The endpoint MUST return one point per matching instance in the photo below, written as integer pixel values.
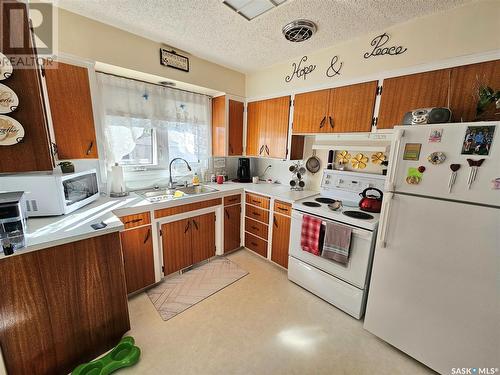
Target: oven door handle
(355, 232)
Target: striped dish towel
(309, 240)
(337, 243)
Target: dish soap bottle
(196, 180)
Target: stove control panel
(349, 183)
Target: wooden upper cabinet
(256, 128)
(137, 248)
(267, 127)
(235, 143)
(351, 108)
(34, 153)
(278, 114)
(71, 109)
(465, 81)
(219, 126)
(402, 94)
(310, 112)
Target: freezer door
(435, 179)
(434, 290)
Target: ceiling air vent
(299, 30)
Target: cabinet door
(235, 145)
(310, 112)
(137, 247)
(256, 125)
(351, 108)
(219, 126)
(465, 81)
(176, 241)
(276, 129)
(281, 238)
(33, 154)
(232, 227)
(71, 109)
(402, 94)
(203, 237)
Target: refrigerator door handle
(396, 144)
(382, 238)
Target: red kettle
(371, 203)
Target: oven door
(356, 271)
(79, 189)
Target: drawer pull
(232, 199)
(133, 221)
(255, 201)
(255, 213)
(254, 227)
(253, 243)
(147, 236)
(282, 209)
(187, 226)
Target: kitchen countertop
(57, 230)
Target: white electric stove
(344, 286)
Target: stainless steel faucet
(170, 181)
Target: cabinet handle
(227, 213)
(282, 209)
(255, 213)
(253, 243)
(267, 150)
(147, 236)
(133, 221)
(254, 227)
(90, 147)
(261, 149)
(232, 200)
(255, 201)
(330, 119)
(187, 227)
(195, 224)
(230, 148)
(322, 123)
(275, 222)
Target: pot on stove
(371, 202)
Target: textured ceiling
(211, 30)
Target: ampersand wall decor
(334, 68)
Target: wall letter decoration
(299, 71)
(334, 68)
(378, 44)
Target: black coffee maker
(243, 172)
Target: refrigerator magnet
(414, 176)
(436, 158)
(435, 135)
(412, 151)
(477, 140)
(496, 183)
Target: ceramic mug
(220, 179)
(255, 179)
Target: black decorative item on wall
(378, 43)
(299, 70)
(335, 67)
(173, 60)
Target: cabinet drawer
(256, 244)
(257, 200)
(136, 220)
(256, 227)
(282, 208)
(257, 214)
(232, 199)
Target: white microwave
(54, 194)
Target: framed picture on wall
(173, 60)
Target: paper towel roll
(117, 182)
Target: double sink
(163, 194)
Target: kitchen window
(145, 126)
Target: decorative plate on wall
(378, 158)
(11, 131)
(5, 67)
(343, 157)
(8, 99)
(359, 161)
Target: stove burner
(325, 200)
(358, 215)
(311, 204)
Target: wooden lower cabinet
(256, 244)
(177, 249)
(203, 237)
(280, 239)
(137, 248)
(62, 306)
(188, 241)
(232, 227)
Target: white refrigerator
(435, 284)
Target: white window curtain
(146, 125)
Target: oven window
(79, 188)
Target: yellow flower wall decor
(359, 161)
(343, 157)
(378, 158)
